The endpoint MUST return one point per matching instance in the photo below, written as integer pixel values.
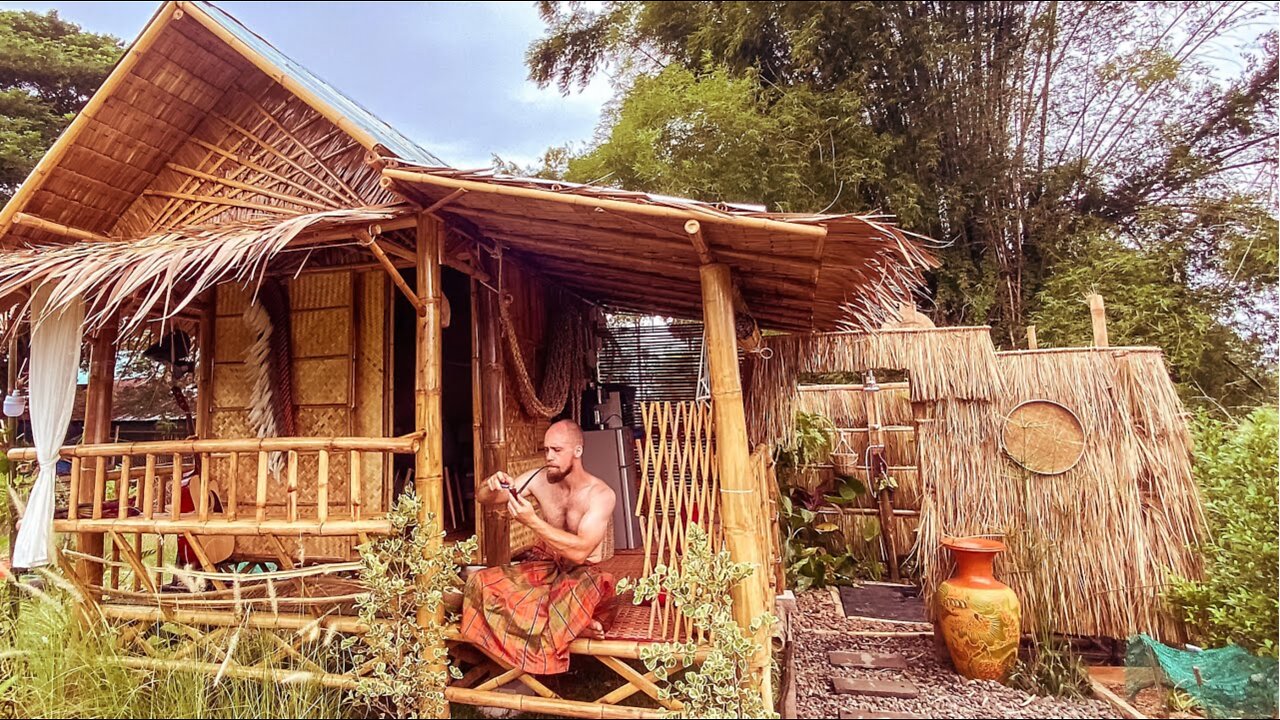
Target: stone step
(876, 688)
(867, 660)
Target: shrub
(1236, 602)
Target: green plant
(1051, 667)
(1236, 601)
(810, 443)
(727, 683)
(412, 665)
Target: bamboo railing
(144, 479)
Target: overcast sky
(450, 76)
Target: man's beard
(555, 475)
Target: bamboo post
(355, 494)
(876, 470)
(233, 487)
(175, 491)
(149, 488)
(204, 371)
(741, 503)
(495, 532)
(1031, 338)
(260, 490)
(291, 470)
(11, 435)
(1098, 314)
(428, 477)
(322, 487)
(202, 502)
(97, 428)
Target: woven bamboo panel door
(679, 486)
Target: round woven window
(1044, 437)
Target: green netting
(1227, 682)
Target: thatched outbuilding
(1092, 543)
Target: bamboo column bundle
(428, 463)
(741, 503)
(495, 532)
(97, 428)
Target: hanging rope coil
(563, 353)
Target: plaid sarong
(527, 614)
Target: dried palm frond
(162, 274)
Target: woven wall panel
(232, 299)
(320, 290)
(231, 388)
(321, 381)
(321, 332)
(371, 363)
(323, 421)
(231, 338)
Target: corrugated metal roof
(388, 136)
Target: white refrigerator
(610, 456)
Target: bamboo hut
(355, 301)
(1091, 541)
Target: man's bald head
(569, 430)
(563, 443)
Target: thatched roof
(635, 251)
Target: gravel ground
(820, 628)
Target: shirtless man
(576, 505)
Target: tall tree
(48, 70)
(1015, 133)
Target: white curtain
(55, 364)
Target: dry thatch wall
(1089, 549)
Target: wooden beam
(49, 226)
(418, 305)
(741, 502)
(802, 266)
(217, 200)
(635, 208)
(694, 228)
(1031, 338)
(1098, 315)
(445, 200)
(228, 182)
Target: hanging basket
(846, 463)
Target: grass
(56, 667)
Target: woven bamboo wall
(333, 395)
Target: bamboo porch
(353, 301)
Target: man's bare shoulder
(599, 491)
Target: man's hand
(494, 488)
(522, 510)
